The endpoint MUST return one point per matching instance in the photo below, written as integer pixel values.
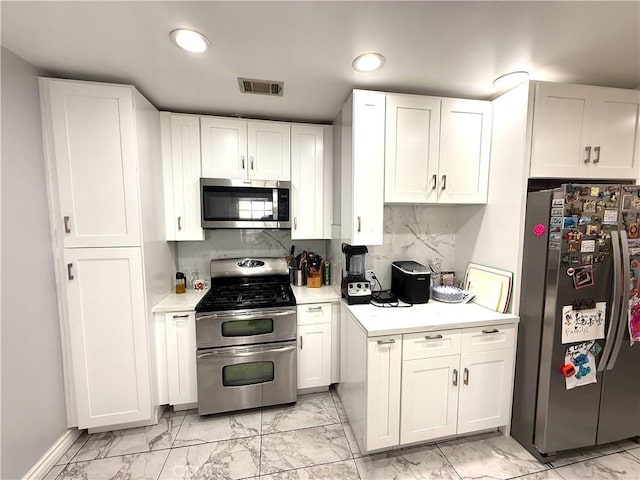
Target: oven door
(235, 378)
(244, 327)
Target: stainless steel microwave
(234, 203)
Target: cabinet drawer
(431, 344)
(312, 313)
(483, 339)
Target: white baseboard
(51, 456)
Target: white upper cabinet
(311, 162)
(362, 168)
(91, 130)
(412, 149)
(437, 150)
(182, 172)
(465, 142)
(581, 131)
(269, 150)
(242, 149)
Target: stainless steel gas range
(246, 336)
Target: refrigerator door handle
(624, 307)
(614, 302)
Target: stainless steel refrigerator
(581, 249)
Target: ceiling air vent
(261, 87)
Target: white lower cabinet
(314, 345)
(384, 356)
(404, 389)
(181, 357)
(108, 335)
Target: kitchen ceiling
(440, 48)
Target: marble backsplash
(240, 243)
(425, 234)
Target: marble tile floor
(311, 440)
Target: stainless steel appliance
(246, 336)
(411, 281)
(355, 287)
(581, 249)
(234, 203)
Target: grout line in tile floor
(448, 461)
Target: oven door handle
(247, 315)
(245, 351)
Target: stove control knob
(359, 285)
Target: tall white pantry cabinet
(104, 168)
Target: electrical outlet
(369, 276)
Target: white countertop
(315, 295)
(179, 302)
(430, 316)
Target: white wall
(33, 407)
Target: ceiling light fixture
(190, 40)
(368, 62)
(510, 80)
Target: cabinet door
(307, 181)
(485, 396)
(224, 147)
(314, 355)
(108, 332)
(616, 140)
(181, 357)
(561, 131)
(94, 152)
(184, 181)
(435, 381)
(465, 137)
(368, 168)
(384, 365)
(412, 137)
(269, 146)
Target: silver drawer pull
(69, 274)
(455, 377)
(181, 316)
(314, 309)
(444, 182)
(433, 337)
(465, 378)
(242, 158)
(386, 342)
(66, 225)
(596, 152)
(179, 223)
(493, 330)
(587, 154)
(301, 343)
(434, 182)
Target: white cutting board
(491, 286)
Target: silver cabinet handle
(596, 152)
(295, 223)
(493, 330)
(433, 337)
(386, 342)
(359, 225)
(444, 182)
(587, 154)
(69, 274)
(434, 182)
(242, 158)
(179, 223)
(465, 378)
(181, 316)
(455, 377)
(314, 309)
(301, 342)
(251, 159)
(66, 225)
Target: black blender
(355, 287)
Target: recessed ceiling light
(190, 40)
(368, 62)
(511, 79)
